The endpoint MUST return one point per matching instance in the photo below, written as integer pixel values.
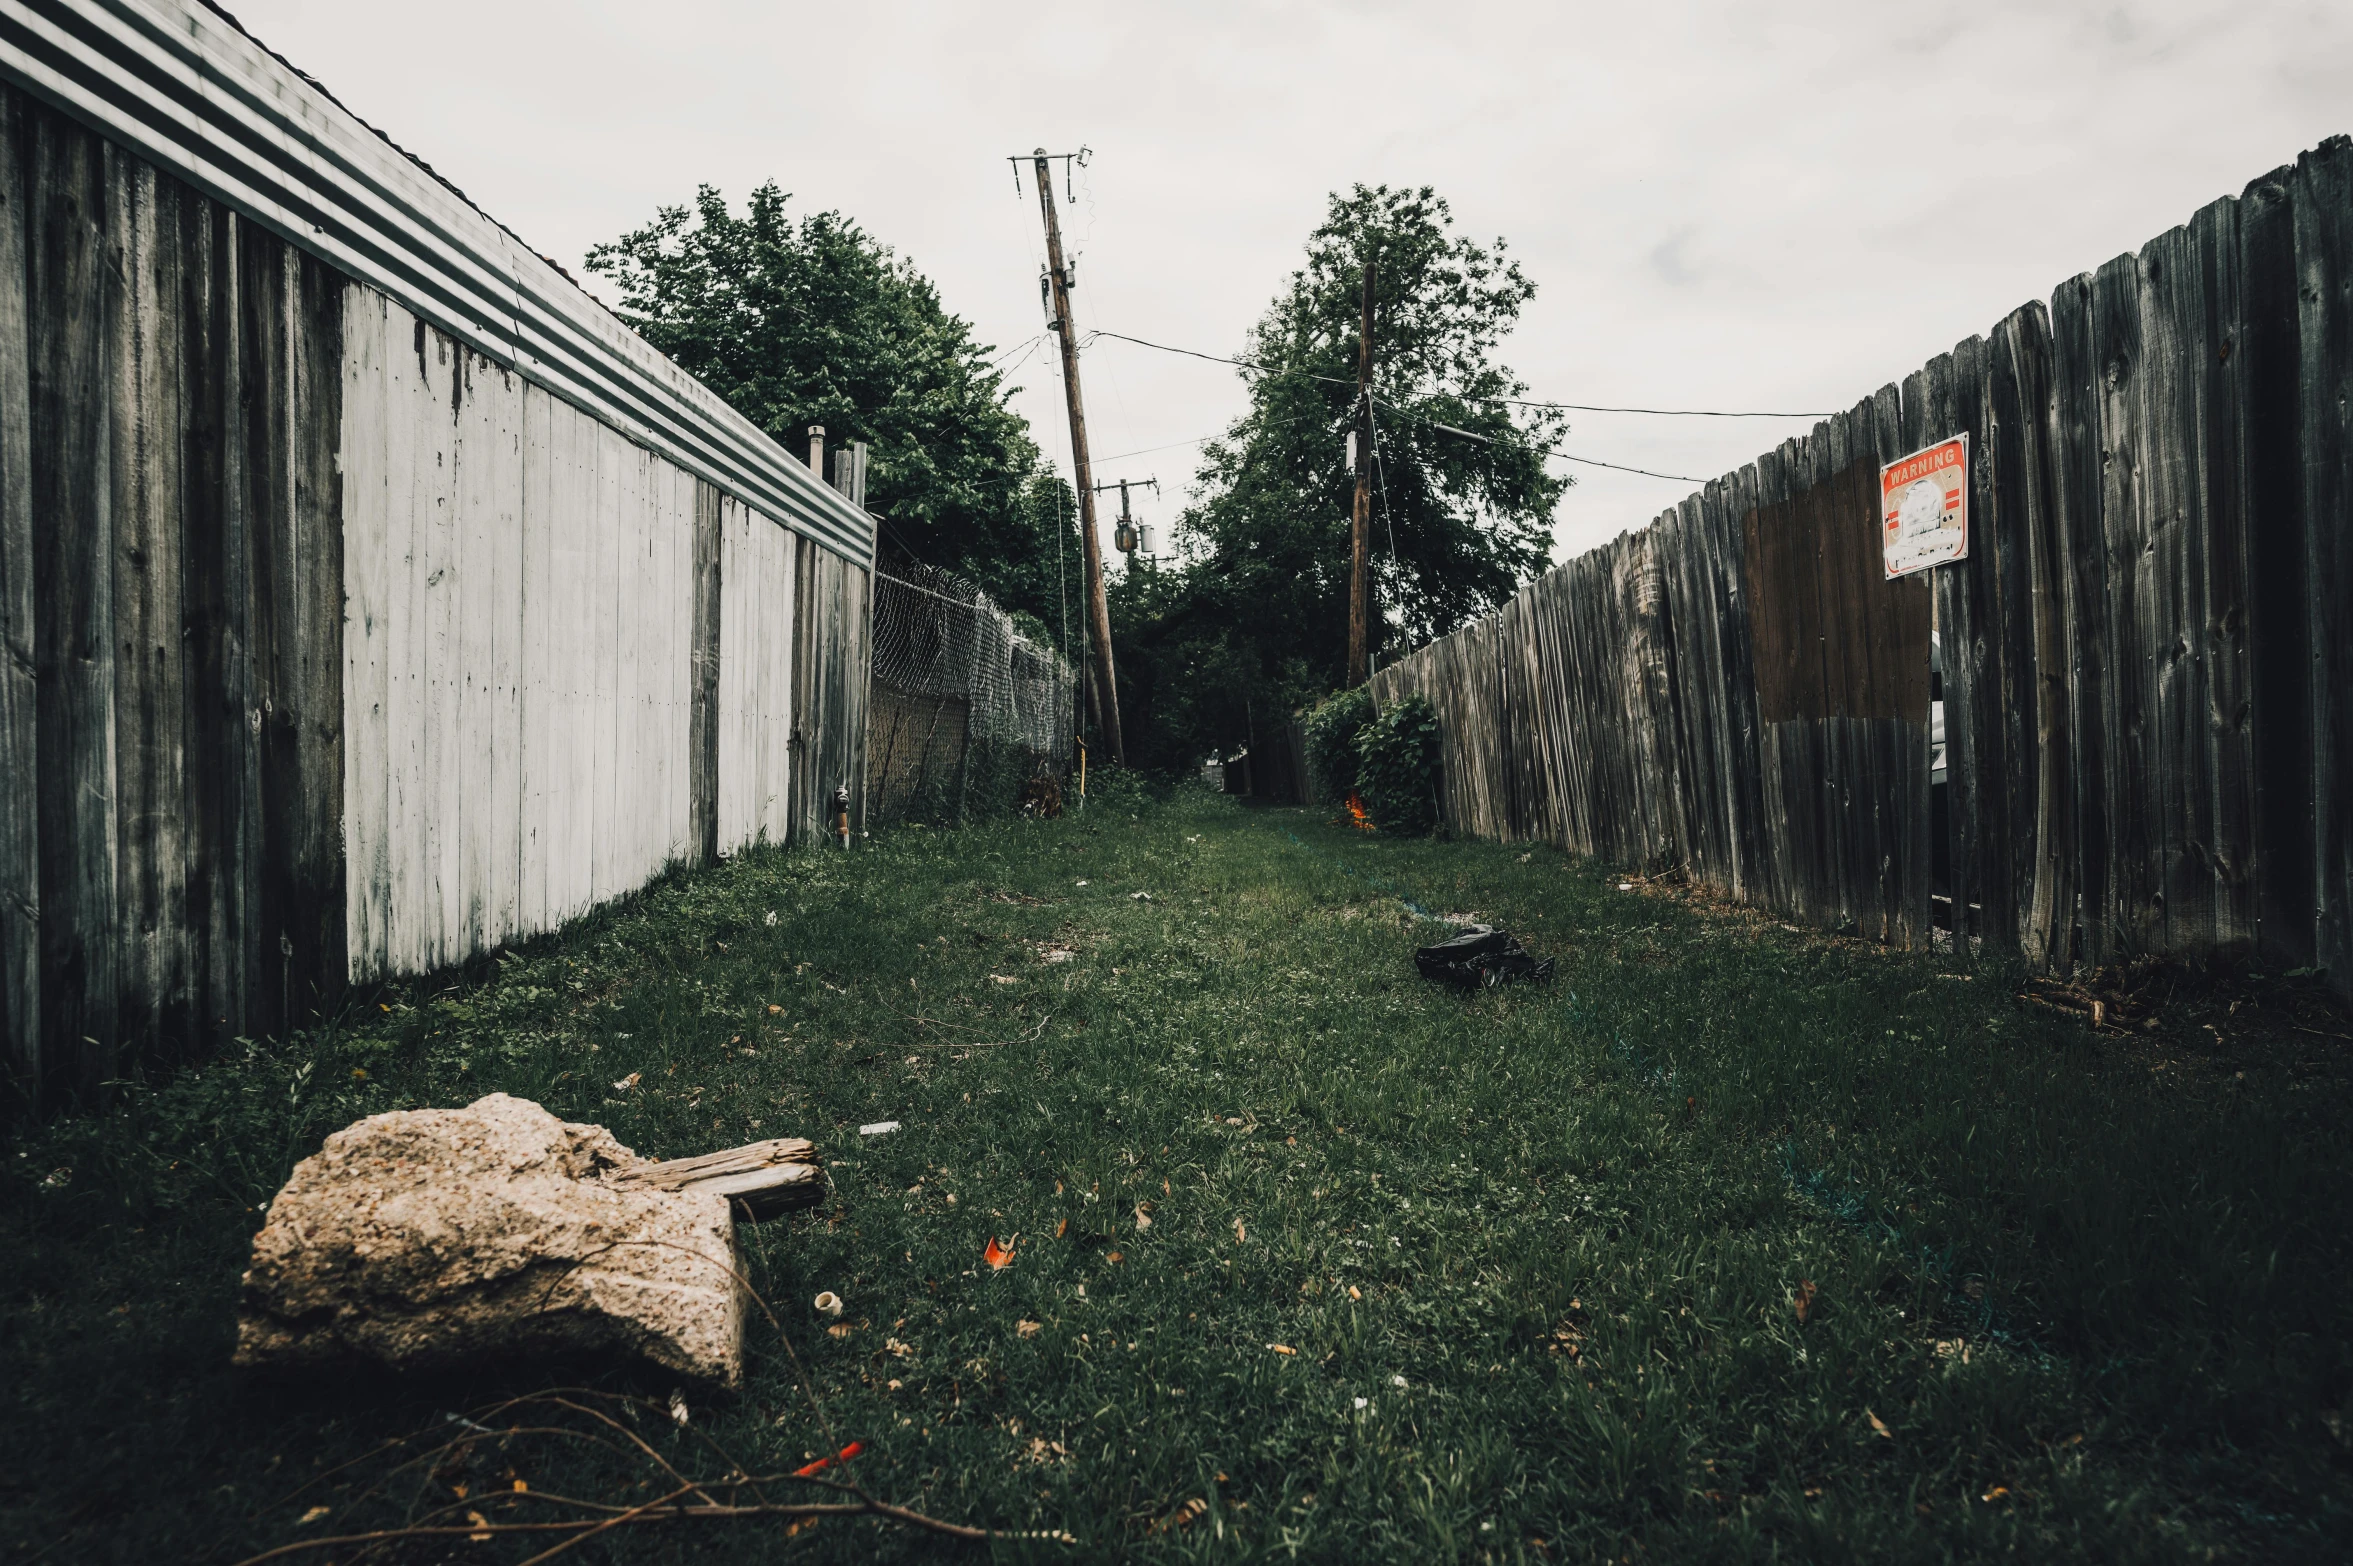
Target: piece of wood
(72, 308)
(150, 694)
(2028, 807)
(2078, 460)
(2171, 621)
(601, 690)
(262, 425)
(2279, 622)
(455, 771)
(2227, 711)
(405, 889)
(762, 1179)
(576, 627)
(537, 610)
(367, 630)
(214, 630)
(2324, 268)
(2135, 910)
(20, 800)
(704, 637)
(500, 393)
(313, 685)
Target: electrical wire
(1023, 348)
(1591, 462)
(1614, 467)
(1516, 402)
(1148, 450)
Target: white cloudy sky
(1723, 205)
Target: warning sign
(1924, 507)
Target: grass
(1539, 1252)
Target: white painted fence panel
(755, 678)
(518, 654)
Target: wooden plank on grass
(761, 1180)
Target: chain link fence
(963, 709)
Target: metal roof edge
(182, 85)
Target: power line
(1023, 349)
(1148, 450)
(1591, 462)
(1516, 402)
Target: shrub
(1331, 742)
(1397, 768)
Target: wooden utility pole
(1098, 610)
(1360, 526)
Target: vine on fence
(1331, 731)
(1397, 768)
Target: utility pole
(1098, 609)
(1361, 521)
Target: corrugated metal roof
(183, 86)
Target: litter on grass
(1481, 957)
(879, 1128)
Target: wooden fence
(2147, 656)
(338, 642)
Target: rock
(437, 1239)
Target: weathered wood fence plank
(2324, 295)
(20, 816)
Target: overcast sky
(1722, 205)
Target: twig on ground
(688, 1500)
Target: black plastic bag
(1481, 956)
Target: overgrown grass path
(1732, 1243)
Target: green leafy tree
(1459, 520)
(809, 320)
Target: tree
(1258, 620)
(811, 321)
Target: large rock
(432, 1239)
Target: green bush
(1331, 742)
(1397, 768)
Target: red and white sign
(1924, 507)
